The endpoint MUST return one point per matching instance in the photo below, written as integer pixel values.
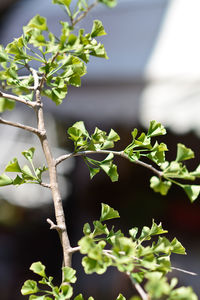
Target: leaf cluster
(143, 148)
(25, 174)
(145, 259)
(62, 60)
(97, 141)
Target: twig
(54, 226)
(138, 287)
(35, 77)
(74, 249)
(118, 153)
(74, 22)
(19, 125)
(54, 57)
(46, 185)
(108, 253)
(18, 99)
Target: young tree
(62, 62)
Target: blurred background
(153, 72)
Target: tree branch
(46, 185)
(118, 153)
(18, 99)
(83, 15)
(58, 206)
(138, 287)
(21, 126)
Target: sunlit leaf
(38, 268)
(184, 153)
(29, 287)
(108, 213)
(97, 29)
(160, 186)
(5, 180)
(192, 191)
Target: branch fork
(54, 226)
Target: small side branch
(21, 126)
(46, 185)
(74, 22)
(118, 153)
(54, 226)
(138, 287)
(18, 99)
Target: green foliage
(144, 255)
(63, 59)
(64, 291)
(25, 174)
(141, 148)
(139, 255)
(127, 254)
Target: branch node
(54, 226)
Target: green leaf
(133, 232)
(38, 22)
(93, 171)
(196, 172)
(27, 173)
(109, 3)
(160, 186)
(3, 55)
(29, 154)
(121, 297)
(192, 191)
(97, 29)
(100, 228)
(108, 213)
(91, 265)
(109, 168)
(113, 136)
(177, 247)
(13, 166)
(79, 297)
(29, 287)
(156, 129)
(157, 286)
(69, 275)
(183, 293)
(183, 153)
(62, 2)
(38, 268)
(6, 104)
(67, 291)
(81, 130)
(5, 180)
(86, 229)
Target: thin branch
(54, 57)
(118, 153)
(108, 253)
(138, 287)
(46, 185)
(18, 99)
(54, 226)
(35, 77)
(74, 249)
(21, 126)
(74, 22)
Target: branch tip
(54, 226)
